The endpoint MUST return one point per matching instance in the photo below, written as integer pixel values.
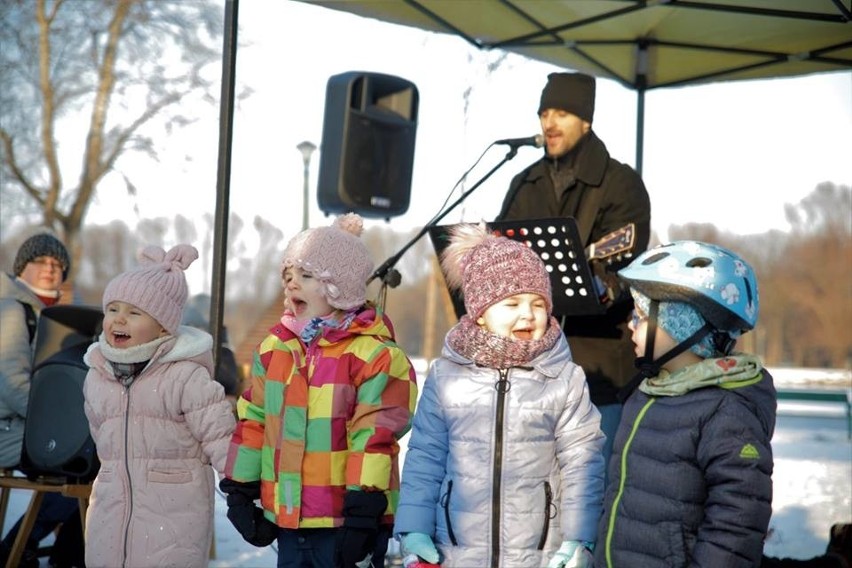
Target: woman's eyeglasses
(47, 263)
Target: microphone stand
(389, 275)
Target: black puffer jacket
(604, 195)
(690, 479)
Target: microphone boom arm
(387, 272)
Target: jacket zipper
(502, 387)
(127, 472)
(445, 502)
(548, 501)
(610, 524)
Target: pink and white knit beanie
(488, 268)
(158, 286)
(337, 257)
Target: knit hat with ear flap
(337, 257)
(158, 286)
(680, 320)
(488, 268)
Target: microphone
(537, 141)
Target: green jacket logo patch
(749, 452)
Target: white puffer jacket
(152, 501)
(500, 473)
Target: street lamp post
(306, 148)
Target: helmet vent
(699, 262)
(748, 292)
(654, 258)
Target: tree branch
(54, 183)
(19, 175)
(92, 166)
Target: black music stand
(557, 242)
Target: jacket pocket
(549, 514)
(445, 504)
(155, 476)
(679, 544)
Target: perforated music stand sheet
(557, 242)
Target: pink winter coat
(152, 501)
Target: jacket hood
(10, 288)
(189, 344)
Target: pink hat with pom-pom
(158, 286)
(337, 257)
(487, 268)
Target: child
(504, 463)
(158, 419)
(330, 395)
(690, 477)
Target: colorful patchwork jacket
(319, 419)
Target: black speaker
(57, 442)
(367, 151)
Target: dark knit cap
(572, 92)
(39, 245)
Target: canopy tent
(642, 44)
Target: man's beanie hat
(572, 92)
(337, 257)
(487, 268)
(158, 286)
(43, 244)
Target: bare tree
(82, 85)
(818, 275)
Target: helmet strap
(646, 364)
(650, 367)
(684, 345)
(723, 343)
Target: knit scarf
(310, 329)
(47, 297)
(487, 349)
(128, 362)
(727, 372)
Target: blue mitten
(421, 545)
(573, 554)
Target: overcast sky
(731, 154)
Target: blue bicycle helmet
(714, 280)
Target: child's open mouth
(119, 338)
(298, 306)
(525, 334)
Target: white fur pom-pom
(464, 238)
(351, 223)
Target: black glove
(362, 512)
(247, 517)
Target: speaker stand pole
(389, 275)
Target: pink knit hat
(336, 256)
(157, 286)
(488, 268)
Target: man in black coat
(577, 178)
